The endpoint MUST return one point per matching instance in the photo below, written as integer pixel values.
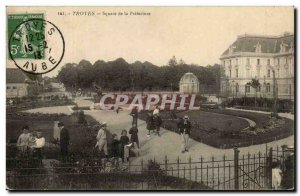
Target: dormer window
(283, 47)
(258, 48)
(292, 47)
(231, 49)
(269, 73)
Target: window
(247, 73)
(268, 88)
(247, 88)
(269, 73)
(8, 87)
(258, 89)
(229, 73)
(268, 62)
(286, 60)
(258, 61)
(237, 87)
(278, 61)
(237, 73)
(236, 61)
(229, 62)
(14, 87)
(224, 63)
(248, 61)
(258, 72)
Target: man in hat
(64, 139)
(134, 113)
(184, 127)
(102, 139)
(23, 140)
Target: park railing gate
(235, 171)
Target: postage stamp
(35, 45)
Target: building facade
(268, 59)
(189, 84)
(18, 82)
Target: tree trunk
(255, 97)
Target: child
(134, 136)
(115, 146)
(125, 146)
(276, 177)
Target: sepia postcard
(150, 98)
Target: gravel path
(168, 144)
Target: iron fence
(231, 172)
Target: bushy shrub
(262, 104)
(81, 117)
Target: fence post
(190, 167)
(142, 165)
(269, 168)
(236, 168)
(283, 157)
(178, 167)
(166, 165)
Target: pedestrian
(102, 139)
(134, 136)
(32, 139)
(156, 111)
(184, 127)
(157, 123)
(150, 123)
(134, 114)
(173, 115)
(276, 176)
(124, 146)
(39, 145)
(23, 140)
(64, 140)
(115, 146)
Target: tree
(254, 83)
(172, 61)
(181, 62)
(34, 89)
(68, 75)
(84, 74)
(118, 75)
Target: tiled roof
(269, 44)
(15, 75)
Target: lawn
(82, 137)
(208, 127)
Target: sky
(197, 35)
